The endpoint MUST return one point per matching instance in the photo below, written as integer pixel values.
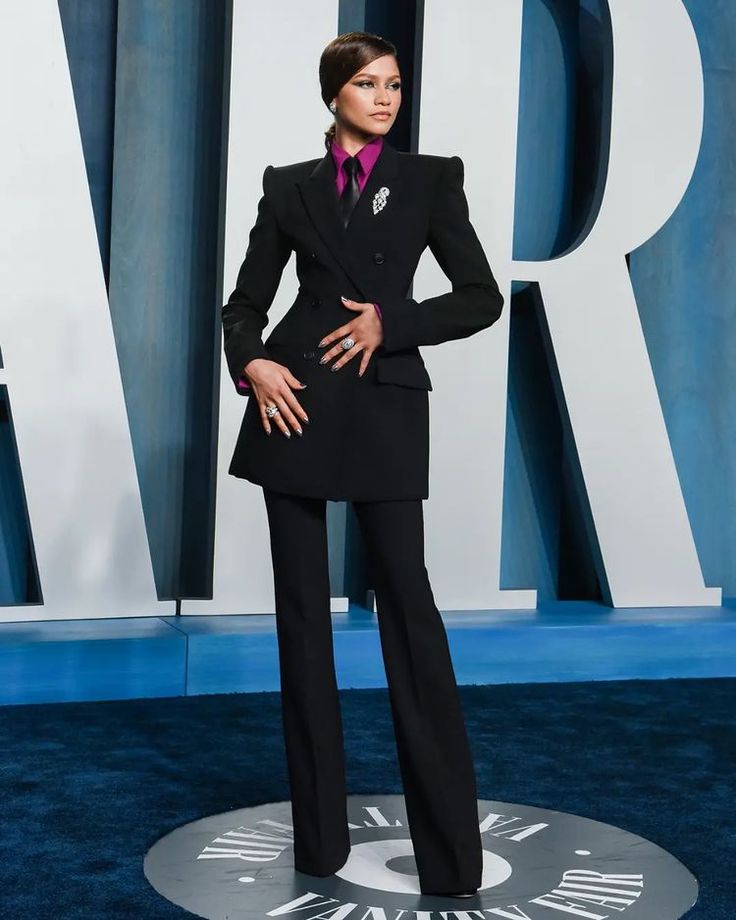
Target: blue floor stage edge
(127, 658)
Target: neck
(352, 140)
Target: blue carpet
(88, 787)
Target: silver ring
(271, 411)
(347, 343)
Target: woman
(342, 371)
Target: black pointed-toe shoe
(452, 894)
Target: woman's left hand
(366, 330)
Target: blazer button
(378, 257)
(316, 301)
(308, 355)
(312, 255)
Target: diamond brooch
(379, 199)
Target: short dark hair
(344, 56)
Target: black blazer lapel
(366, 230)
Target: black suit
(368, 437)
(368, 443)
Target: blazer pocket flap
(404, 370)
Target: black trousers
(434, 755)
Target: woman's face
(376, 88)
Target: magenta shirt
(367, 156)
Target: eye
(395, 84)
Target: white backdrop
(73, 439)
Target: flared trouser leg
(434, 754)
(310, 704)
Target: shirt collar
(367, 155)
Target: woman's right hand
(271, 383)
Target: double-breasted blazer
(368, 437)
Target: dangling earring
(333, 107)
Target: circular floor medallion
(537, 865)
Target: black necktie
(351, 192)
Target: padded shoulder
(293, 172)
(433, 165)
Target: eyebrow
(366, 74)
